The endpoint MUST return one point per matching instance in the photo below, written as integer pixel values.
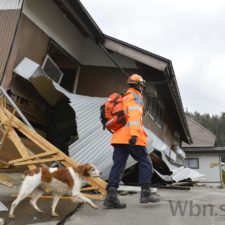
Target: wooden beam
(20, 146)
(8, 127)
(32, 157)
(89, 188)
(37, 161)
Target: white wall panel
(209, 165)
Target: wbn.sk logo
(189, 208)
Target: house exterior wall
(209, 165)
(101, 81)
(9, 15)
(29, 42)
(165, 133)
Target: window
(151, 106)
(52, 70)
(66, 64)
(155, 109)
(159, 115)
(192, 163)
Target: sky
(190, 33)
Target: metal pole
(15, 106)
(114, 61)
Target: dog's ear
(84, 170)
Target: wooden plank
(98, 197)
(8, 127)
(32, 157)
(89, 188)
(37, 161)
(20, 146)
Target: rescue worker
(131, 139)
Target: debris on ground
(6, 180)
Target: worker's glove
(133, 140)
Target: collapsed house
(58, 67)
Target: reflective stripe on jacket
(133, 105)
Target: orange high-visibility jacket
(133, 106)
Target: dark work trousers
(120, 156)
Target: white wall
(209, 165)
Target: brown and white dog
(59, 181)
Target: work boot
(147, 196)
(111, 200)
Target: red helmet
(136, 79)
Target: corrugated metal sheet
(180, 173)
(9, 16)
(181, 153)
(93, 144)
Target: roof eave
(77, 13)
(206, 149)
(172, 83)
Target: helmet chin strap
(139, 88)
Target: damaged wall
(30, 42)
(9, 15)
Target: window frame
(152, 110)
(187, 164)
